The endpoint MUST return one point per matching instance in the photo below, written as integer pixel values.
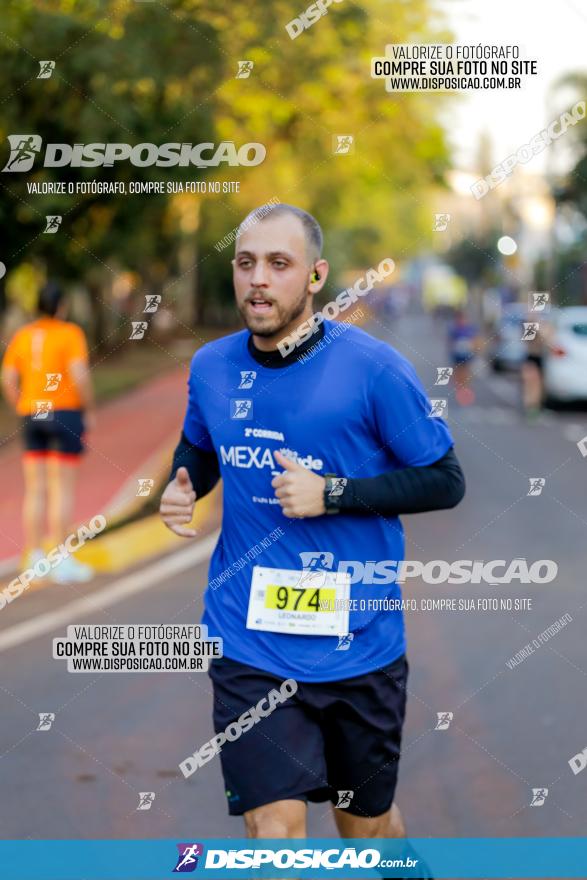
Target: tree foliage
(134, 72)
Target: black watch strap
(333, 492)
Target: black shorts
(460, 359)
(329, 737)
(61, 433)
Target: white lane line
(109, 595)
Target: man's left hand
(299, 490)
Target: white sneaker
(70, 571)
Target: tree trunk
(98, 329)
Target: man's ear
(321, 267)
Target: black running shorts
(61, 434)
(326, 739)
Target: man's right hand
(177, 504)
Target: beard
(277, 319)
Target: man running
(537, 337)
(46, 378)
(317, 457)
(463, 342)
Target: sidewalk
(134, 438)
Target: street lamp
(507, 246)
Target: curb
(141, 541)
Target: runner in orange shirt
(46, 378)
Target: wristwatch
(333, 492)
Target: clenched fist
(299, 491)
(177, 504)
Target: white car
(565, 359)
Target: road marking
(111, 594)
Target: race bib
(309, 603)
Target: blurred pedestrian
(536, 339)
(463, 343)
(46, 379)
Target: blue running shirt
(355, 408)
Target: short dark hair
(50, 298)
(312, 229)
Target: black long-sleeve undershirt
(435, 486)
(202, 466)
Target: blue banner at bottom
(483, 857)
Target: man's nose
(259, 276)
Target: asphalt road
(512, 730)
